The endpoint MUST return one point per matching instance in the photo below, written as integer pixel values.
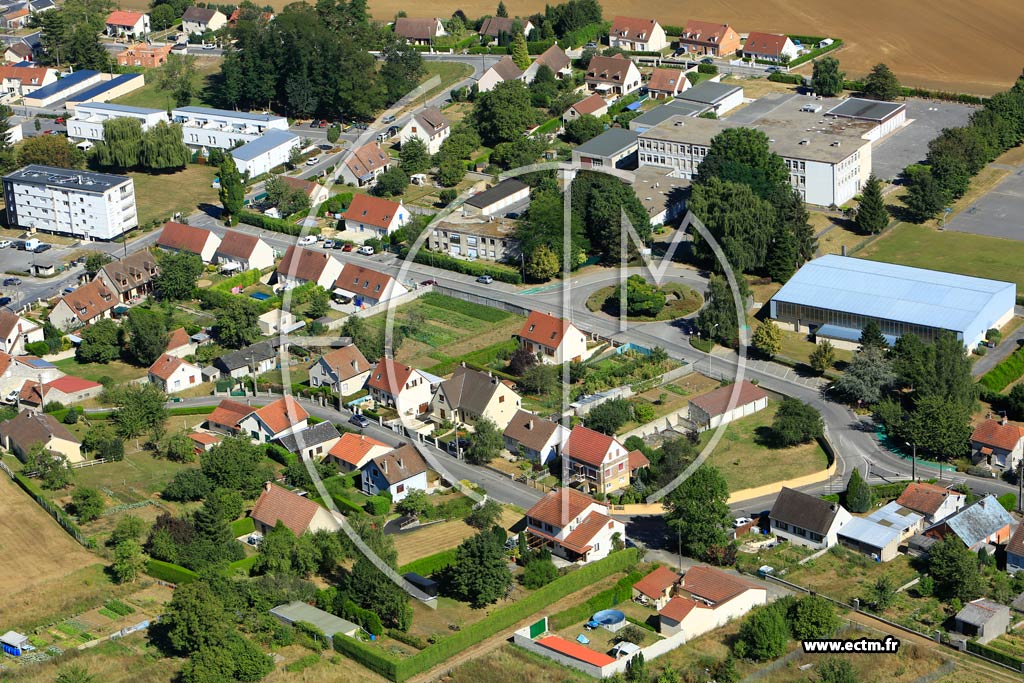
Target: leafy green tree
(643, 299)
(187, 485)
(925, 196)
(485, 516)
(742, 155)
(414, 156)
(450, 171)
(7, 161)
(232, 190)
(767, 338)
(599, 202)
(52, 468)
(717, 320)
(368, 587)
(544, 88)
(501, 11)
(542, 227)
(954, 568)
(699, 513)
(872, 216)
(50, 150)
(827, 79)
(146, 332)
(782, 258)
(813, 617)
(128, 528)
(609, 416)
(871, 336)
(94, 261)
(447, 196)
(128, 561)
(951, 173)
(539, 572)
(195, 618)
(480, 575)
(391, 182)
(319, 303)
(542, 264)
(162, 17)
(882, 593)
(520, 152)
(859, 496)
(87, 504)
(100, 343)
(881, 84)
(763, 634)
(178, 77)
(740, 221)
(140, 408)
(795, 423)
(179, 448)
(504, 113)
(163, 148)
(415, 504)
(288, 200)
(940, 426)
(835, 670)
(583, 128)
(1015, 402)
(73, 673)
(486, 442)
(122, 141)
(236, 325)
(823, 356)
(951, 374)
(238, 465)
(867, 377)
(403, 67)
(520, 55)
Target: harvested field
(436, 538)
(37, 557)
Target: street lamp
(913, 461)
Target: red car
(60, 120)
(323, 124)
(347, 247)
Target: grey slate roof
(400, 464)
(709, 92)
(29, 428)
(504, 189)
(978, 520)
(980, 611)
(470, 390)
(256, 353)
(315, 435)
(805, 511)
(609, 143)
(271, 139)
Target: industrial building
(834, 297)
(67, 202)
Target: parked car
(60, 120)
(12, 396)
(454, 448)
(329, 244)
(338, 244)
(4, 300)
(312, 161)
(359, 421)
(765, 570)
(428, 282)
(12, 281)
(307, 240)
(210, 46)
(5, 244)
(67, 290)
(390, 118)
(43, 247)
(591, 44)
(348, 247)
(323, 123)
(485, 279)
(365, 250)
(707, 60)
(314, 123)
(773, 69)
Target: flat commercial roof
(271, 139)
(118, 108)
(709, 92)
(62, 177)
(68, 82)
(608, 143)
(103, 87)
(891, 292)
(869, 533)
(209, 111)
(506, 188)
(870, 110)
(664, 112)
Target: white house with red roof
(997, 443)
(131, 24)
(16, 331)
(298, 513)
(19, 81)
(300, 266)
(637, 35)
(934, 503)
(554, 340)
(375, 216)
(429, 126)
(364, 165)
(706, 599)
(615, 75)
(657, 587)
(180, 343)
(403, 388)
(353, 451)
(271, 422)
(180, 237)
(65, 390)
(770, 47)
(398, 472)
(344, 370)
(594, 105)
(172, 374)
(239, 251)
(367, 287)
(573, 526)
(597, 463)
(227, 415)
(667, 83)
(722, 407)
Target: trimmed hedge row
(281, 454)
(1005, 373)
(620, 592)
(171, 573)
(582, 36)
(190, 410)
(425, 566)
(780, 77)
(438, 260)
(815, 53)
(275, 224)
(243, 280)
(364, 617)
(241, 527)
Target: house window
(400, 488)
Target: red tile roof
(90, 300)
(28, 75)
(590, 104)
(278, 504)
(367, 159)
(352, 448)
(229, 413)
(995, 433)
(764, 44)
(654, 584)
(5, 362)
(205, 438)
(544, 329)
(237, 244)
(362, 280)
(70, 385)
(389, 376)
(678, 607)
(704, 31)
(30, 393)
(632, 28)
(282, 414)
(576, 651)
(714, 585)
(561, 506)
(716, 402)
(580, 539)
(372, 210)
(183, 237)
(417, 29)
(608, 69)
(177, 339)
(121, 18)
(637, 460)
(924, 498)
(306, 187)
(588, 446)
(346, 362)
(554, 58)
(303, 264)
(164, 366)
(10, 321)
(1016, 542)
(667, 80)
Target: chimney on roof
(529, 424)
(834, 507)
(1004, 419)
(266, 486)
(384, 466)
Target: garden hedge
(425, 566)
(241, 527)
(1005, 373)
(816, 52)
(370, 656)
(275, 224)
(243, 280)
(281, 454)
(171, 573)
(439, 260)
(190, 410)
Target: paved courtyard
(909, 145)
(996, 213)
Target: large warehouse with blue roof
(834, 296)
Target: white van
(366, 250)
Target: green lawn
(134, 479)
(153, 96)
(844, 574)
(159, 196)
(746, 462)
(449, 72)
(952, 252)
(117, 370)
(680, 301)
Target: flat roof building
(660, 114)
(203, 127)
(87, 123)
(268, 151)
(884, 116)
(721, 97)
(615, 148)
(834, 297)
(68, 202)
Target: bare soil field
(36, 554)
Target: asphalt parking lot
(909, 145)
(996, 213)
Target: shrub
(438, 260)
(171, 573)
(378, 505)
(1005, 373)
(368, 619)
(707, 69)
(39, 348)
(274, 224)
